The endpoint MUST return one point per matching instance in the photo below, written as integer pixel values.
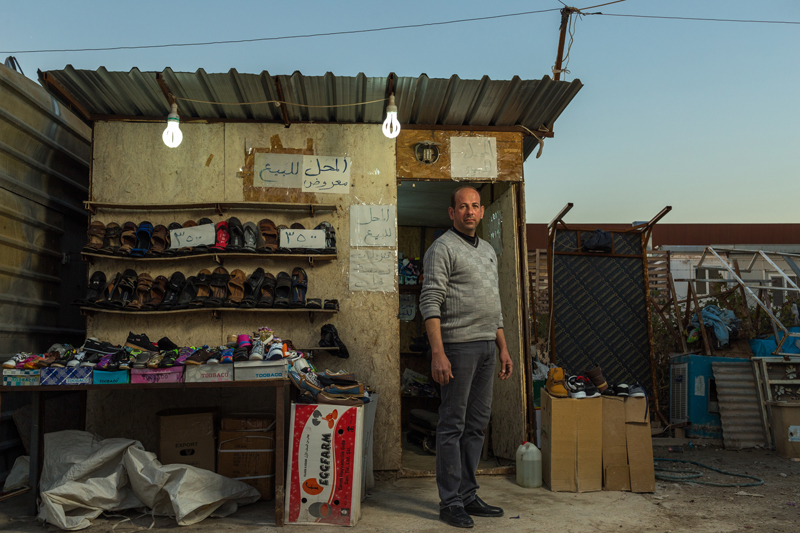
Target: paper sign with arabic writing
(373, 225)
(326, 174)
(408, 307)
(373, 270)
(192, 236)
(473, 157)
(302, 238)
(277, 170)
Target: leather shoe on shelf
(479, 507)
(455, 516)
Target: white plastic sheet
(20, 472)
(85, 475)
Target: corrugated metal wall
(44, 174)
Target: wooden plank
(677, 309)
(218, 257)
(509, 154)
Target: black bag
(598, 241)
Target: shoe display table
(281, 387)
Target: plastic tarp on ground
(765, 347)
(84, 476)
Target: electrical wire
(260, 39)
(693, 475)
(696, 18)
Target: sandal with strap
(330, 237)
(283, 290)
(267, 296)
(124, 291)
(223, 237)
(250, 232)
(111, 241)
(97, 283)
(252, 289)
(298, 288)
(157, 292)
(105, 296)
(143, 285)
(173, 290)
(97, 234)
(159, 241)
(144, 235)
(268, 243)
(282, 249)
(188, 293)
(187, 250)
(236, 288)
(169, 250)
(203, 285)
(127, 238)
(236, 233)
(202, 248)
(219, 288)
(297, 225)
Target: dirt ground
(410, 505)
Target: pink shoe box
(157, 375)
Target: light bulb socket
(391, 108)
(173, 115)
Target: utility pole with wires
(565, 14)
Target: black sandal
(267, 292)
(283, 290)
(124, 291)
(236, 235)
(97, 284)
(252, 289)
(299, 288)
(188, 293)
(174, 287)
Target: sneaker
(621, 389)
(265, 335)
(275, 352)
(243, 341)
(198, 357)
(125, 359)
(257, 353)
(184, 354)
(90, 360)
(637, 391)
(240, 354)
(589, 387)
(142, 358)
(575, 387)
(226, 356)
(165, 345)
(140, 342)
(555, 383)
(32, 363)
(108, 362)
(155, 360)
(595, 375)
(168, 359)
(609, 391)
(18, 359)
(75, 359)
(213, 356)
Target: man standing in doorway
(460, 303)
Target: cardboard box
(367, 476)
(20, 378)
(572, 443)
(157, 375)
(207, 373)
(323, 477)
(259, 370)
(248, 422)
(639, 443)
(65, 376)
(186, 436)
(615, 448)
(110, 378)
(786, 428)
(249, 456)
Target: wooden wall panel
(509, 154)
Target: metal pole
(565, 13)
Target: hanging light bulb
(391, 127)
(172, 135)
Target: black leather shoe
(479, 507)
(456, 516)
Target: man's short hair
(459, 189)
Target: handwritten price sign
(194, 236)
(372, 270)
(373, 225)
(303, 238)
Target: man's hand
(440, 368)
(506, 366)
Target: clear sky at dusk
(703, 116)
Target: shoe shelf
(128, 386)
(219, 258)
(219, 207)
(410, 289)
(215, 311)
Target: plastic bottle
(529, 466)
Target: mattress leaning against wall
(44, 171)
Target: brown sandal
(111, 241)
(159, 241)
(142, 294)
(236, 288)
(157, 292)
(186, 250)
(269, 237)
(97, 234)
(128, 239)
(203, 285)
(267, 292)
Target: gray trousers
(463, 417)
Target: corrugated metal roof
(738, 405)
(534, 104)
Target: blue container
(693, 394)
(102, 377)
(78, 375)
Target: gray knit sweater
(461, 289)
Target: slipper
(159, 241)
(283, 290)
(127, 239)
(219, 288)
(203, 285)
(236, 288)
(236, 232)
(124, 291)
(144, 236)
(331, 304)
(157, 292)
(143, 285)
(267, 296)
(252, 289)
(281, 248)
(223, 237)
(186, 250)
(97, 283)
(111, 240)
(313, 303)
(269, 237)
(202, 248)
(330, 237)
(188, 294)
(250, 235)
(97, 234)
(298, 288)
(173, 290)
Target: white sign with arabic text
(373, 225)
(373, 270)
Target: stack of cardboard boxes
(592, 444)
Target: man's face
(468, 211)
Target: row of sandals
(232, 236)
(130, 291)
